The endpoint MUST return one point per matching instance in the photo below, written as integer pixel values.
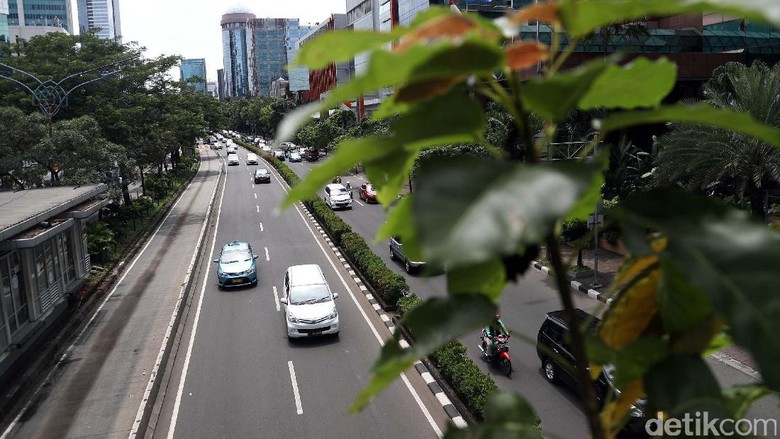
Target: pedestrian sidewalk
(597, 286)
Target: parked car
(295, 157)
(558, 365)
(397, 253)
(232, 159)
(251, 159)
(262, 176)
(279, 155)
(309, 305)
(337, 196)
(236, 265)
(367, 193)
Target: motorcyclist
(495, 328)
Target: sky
(191, 28)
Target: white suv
(309, 305)
(337, 197)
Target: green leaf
(463, 223)
(295, 119)
(349, 152)
(399, 223)
(435, 123)
(390, 172)
(682, 384)
(342, 45)
(586, 205)
(720, 341)
(702, 113)
(682, 305)
(739, 398)
(556, 97)
(488, 278)
(418, 63)
(434, 323)
(641, 83)
(732, 259)
(582, 17)
(633, 361)
(506, 416)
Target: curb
(603, 297)
(430, 381)
(151, 393)
(579, 286)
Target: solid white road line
(171, 328)
(89, 323)
(416, 397)
(267, 258)
(276, 299)
(298, 406)
(185, 369)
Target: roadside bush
(101, 241)
(408, 303)
(388, 285)
(157, 186)
(469, 382)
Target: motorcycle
(500, 357)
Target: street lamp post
(51, 96)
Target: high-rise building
(272, 39)
(236, 42)
(5, 35)
(101, 17)
(194, 68)
(221, 84)
(322, 80)
(211, 89)
(27, 18)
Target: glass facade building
(273, 46)
(101, 17)
(5, 35)
(48, 13)
(191, 68)
(236, 44)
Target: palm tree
(721, 162)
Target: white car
(251, 159)
(309, 305)
(337, 197)
(232, 159)
(231, 149)
(265, 147)
(217, 145)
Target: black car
(553, 346)
(262, 176)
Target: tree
(21, 133)
(719, 161)
(575, 232)
(700, 268)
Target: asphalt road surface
(523, 306)
(236, 374)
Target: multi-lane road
(232, 371)
(236, 373)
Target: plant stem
(578, 343)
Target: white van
(309, 305)
(337, 196)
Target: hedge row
(389, 286)
(472, 386)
